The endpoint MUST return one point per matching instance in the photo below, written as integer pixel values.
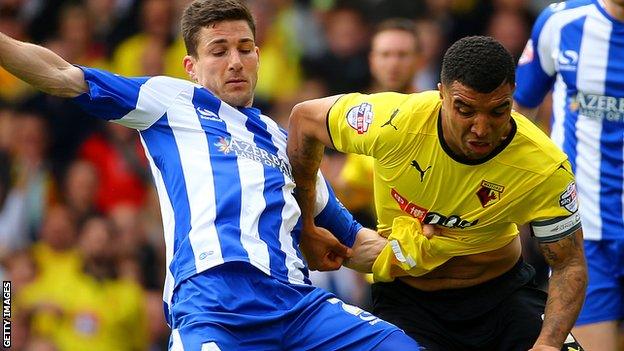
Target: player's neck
(615, 10)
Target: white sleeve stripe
(322, 194)
(155, 97)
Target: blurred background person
(344, 66)
(108, 313)
(31, 187)
(80, 188)
(120, 166)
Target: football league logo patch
(489, 193)
(360, 117)
(568, 199)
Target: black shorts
(503, 314)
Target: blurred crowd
(80, 229)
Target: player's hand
(429, 230)
(322, 250)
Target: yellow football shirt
(477, 203)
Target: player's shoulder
(564, 9)
(394, 99)
(170, 82)
(532, 150)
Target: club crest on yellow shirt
(489, 193)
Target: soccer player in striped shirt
(236, 279)
(577, 50)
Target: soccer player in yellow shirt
(461, 160)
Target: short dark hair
(202, 13)
(400, 24)
(478, 62)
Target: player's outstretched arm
(41, 68)
(307, 137)
(566, 289)
(368, 245)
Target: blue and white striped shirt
(222, 175)
(577, 49)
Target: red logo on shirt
(489, 193)
(409, 207)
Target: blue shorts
(605, 292)
(237, 307)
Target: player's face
(474, 123)
(226, 62)
(393, 60)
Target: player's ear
(189, 67)
(441, 90)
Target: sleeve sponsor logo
(527, 53)
(568, 199)
(567, 59)
(360, 117)
(208, 115)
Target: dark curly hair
(478, 62)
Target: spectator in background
(11, 88)
(511, 28)
(121, 166)
(80, 186)
(393, 57)
(108, 313)
(152, 50)
(139, 260)
(55, 253)
(344, 66)
(577, 49)
(432, 42)
(75, 41)
(281, 53)
(112, 21)
(32, 188)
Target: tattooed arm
(566, 290)
(307, 136)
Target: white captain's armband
(556, 228)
